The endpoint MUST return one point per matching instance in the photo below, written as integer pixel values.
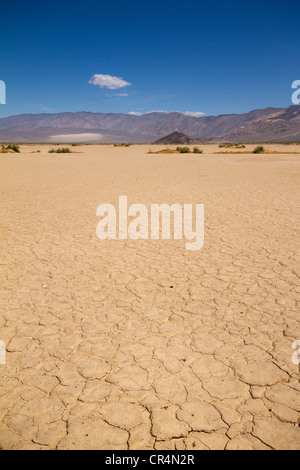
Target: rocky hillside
(271, 124)
(177, 138)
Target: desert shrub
(185, 150)
(197, 150)
(13, 147)
(239, 146)
(259, 149)
(60, 150)
(232, 146)
(225, 146)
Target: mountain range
(262, 125)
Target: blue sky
(201, 57)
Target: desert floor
(101, 352)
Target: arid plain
(142, 344)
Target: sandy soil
(101, 352)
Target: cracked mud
(142, 344)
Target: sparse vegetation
(14, 147)
(183, 149)
(163, 151)
(259, 149)
(197, 150)
(60, 150)
(288, 143)
(10, 148)
(232, 146)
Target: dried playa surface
(101, 352)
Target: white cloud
(138, 113)
(194, 114)
(46, 109)
(108, 81)
(121, 94)
(157, 111)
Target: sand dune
(143, 344)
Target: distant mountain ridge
(262, 125)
